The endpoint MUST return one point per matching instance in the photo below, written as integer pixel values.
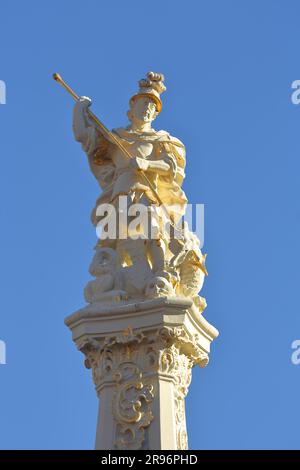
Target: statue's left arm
(157, 166)
(168, 162)
(164, 162)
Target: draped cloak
(116, 180)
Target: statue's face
(143, 109)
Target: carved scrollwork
(131, 407)
(130, 361)
(181, 434)
(126, 337)
(186, 343)
(179, 367)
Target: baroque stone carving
(106, 268)
(131, 360)
(131, 406)
(150, 255)
(147, 275)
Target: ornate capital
(131, 362)
(141, 355)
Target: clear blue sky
(229, 66)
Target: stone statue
(143, 330)
(137, 265)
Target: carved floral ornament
(165, 341)
(131, 406)
(130, 361)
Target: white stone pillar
(141, 355)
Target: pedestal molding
(142, 367)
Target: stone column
(141, 356)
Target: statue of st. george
(144, 266)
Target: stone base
(141, 355)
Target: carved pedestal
(141, 356)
